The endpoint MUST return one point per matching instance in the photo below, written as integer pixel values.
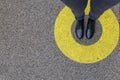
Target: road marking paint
(86, 53)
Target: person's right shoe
(79, 29)
(90, 28)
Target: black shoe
(90, 28)
(79, 30)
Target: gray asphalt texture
(28, 50)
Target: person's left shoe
(79, 29)
(90, 28)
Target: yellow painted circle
(83, 53)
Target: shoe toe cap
(79, 33)
(89, 34)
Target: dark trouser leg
(99, 6)
(77, 7)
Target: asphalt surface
(28, 50)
